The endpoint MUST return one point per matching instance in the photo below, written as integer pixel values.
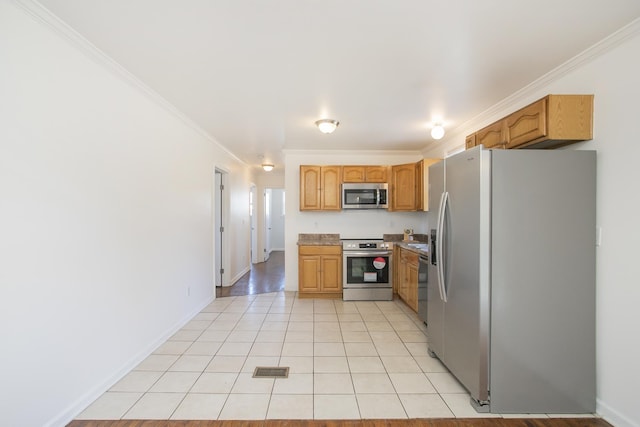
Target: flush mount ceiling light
(268, 167)
(327, 125)
(437, 131)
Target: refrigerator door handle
(441, 285)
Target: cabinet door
(403, 187)
(309, 277)
(493, 136)
(309, 187)
(470, 141)
(527, 124)
(353, 174)
(330, 181)
(422, 183)
(375, 174)
(331, 273)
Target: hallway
(264, 278)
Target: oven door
(366, 269)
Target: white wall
(105, 222)
(613, 78)
(277, 219)
(349, 224)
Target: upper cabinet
(364, 174)
(550, 122)
(320, 188)
(403, 187)
(422, 184)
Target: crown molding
(523, 96)
(43, 15)
(291, 151)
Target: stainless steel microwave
(365, 196)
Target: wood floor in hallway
(264, 277)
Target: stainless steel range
(366, 270)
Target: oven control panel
(365, 244)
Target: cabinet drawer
(320, 250)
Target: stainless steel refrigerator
(511, 284)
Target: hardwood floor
(264, 277)
(449, 422)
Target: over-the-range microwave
(365, 196)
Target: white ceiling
(256, 74)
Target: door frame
(220, 215)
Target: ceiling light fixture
(327, 125)
(437, 131)
(268, 167)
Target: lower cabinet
(408, 278)
(320, 271)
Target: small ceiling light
(268, 167)
(437, 131)
(327, 125)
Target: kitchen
(610, 72)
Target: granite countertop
(421, 248)
(311, 239)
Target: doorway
(253, 219)
(219, 209)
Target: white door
(254, 224)
(267, 223)
(218, 232)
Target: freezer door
(466, 257)
(435, 305)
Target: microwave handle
(378, 197)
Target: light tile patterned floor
(347, 360)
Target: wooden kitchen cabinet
(320, 188)
(320, 271)
(550, 122)
(408, 278)
(377, 174)
(403, 187)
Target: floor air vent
(271, 372)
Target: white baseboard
(68, 414)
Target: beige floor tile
(222, 325)
(175, 382)
(235, 349)
(372, 383)
(384, 406)
(430, 364)
(271, 336)
(214, 382)
(365, 364)
(266, 349)
(384, 336)
(411, 383)
(391, 349)
(298, 336)
(294, 384)
(203, 348)
(349, 317)
(277, 317)
(154, 406)
(378, 326)
(297, 349)
(412, 336)
(296, 407)
(445, 383)
(404, 325)
(356, 336)
(330, 364)
(243, 335)
(305, 316)
(425, 406)
(226, 364)
(336, 407)
(325, 317)
(329, 349)
(173, 347)
(332, 384)
(206, 316)
(300, 327)
(322, 335)
(196, 406)
(157, 362)
(360, 349)
(353, 326)
(461, 407)
(213, 335)
(417, 349)
(297, 364)
(191, 363)
(183, 335)
(110, 406)
(400, 364)
(245, 383)
(326, 326)
(274, 326)
(245, 407)
(253, 362)
(137, 381)
(373, 317)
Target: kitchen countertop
(311, 239)
(411, 246)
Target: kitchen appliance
(365, 196)
(423, 275)
(366, 270)
(511, 291)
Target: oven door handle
(364, 253)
